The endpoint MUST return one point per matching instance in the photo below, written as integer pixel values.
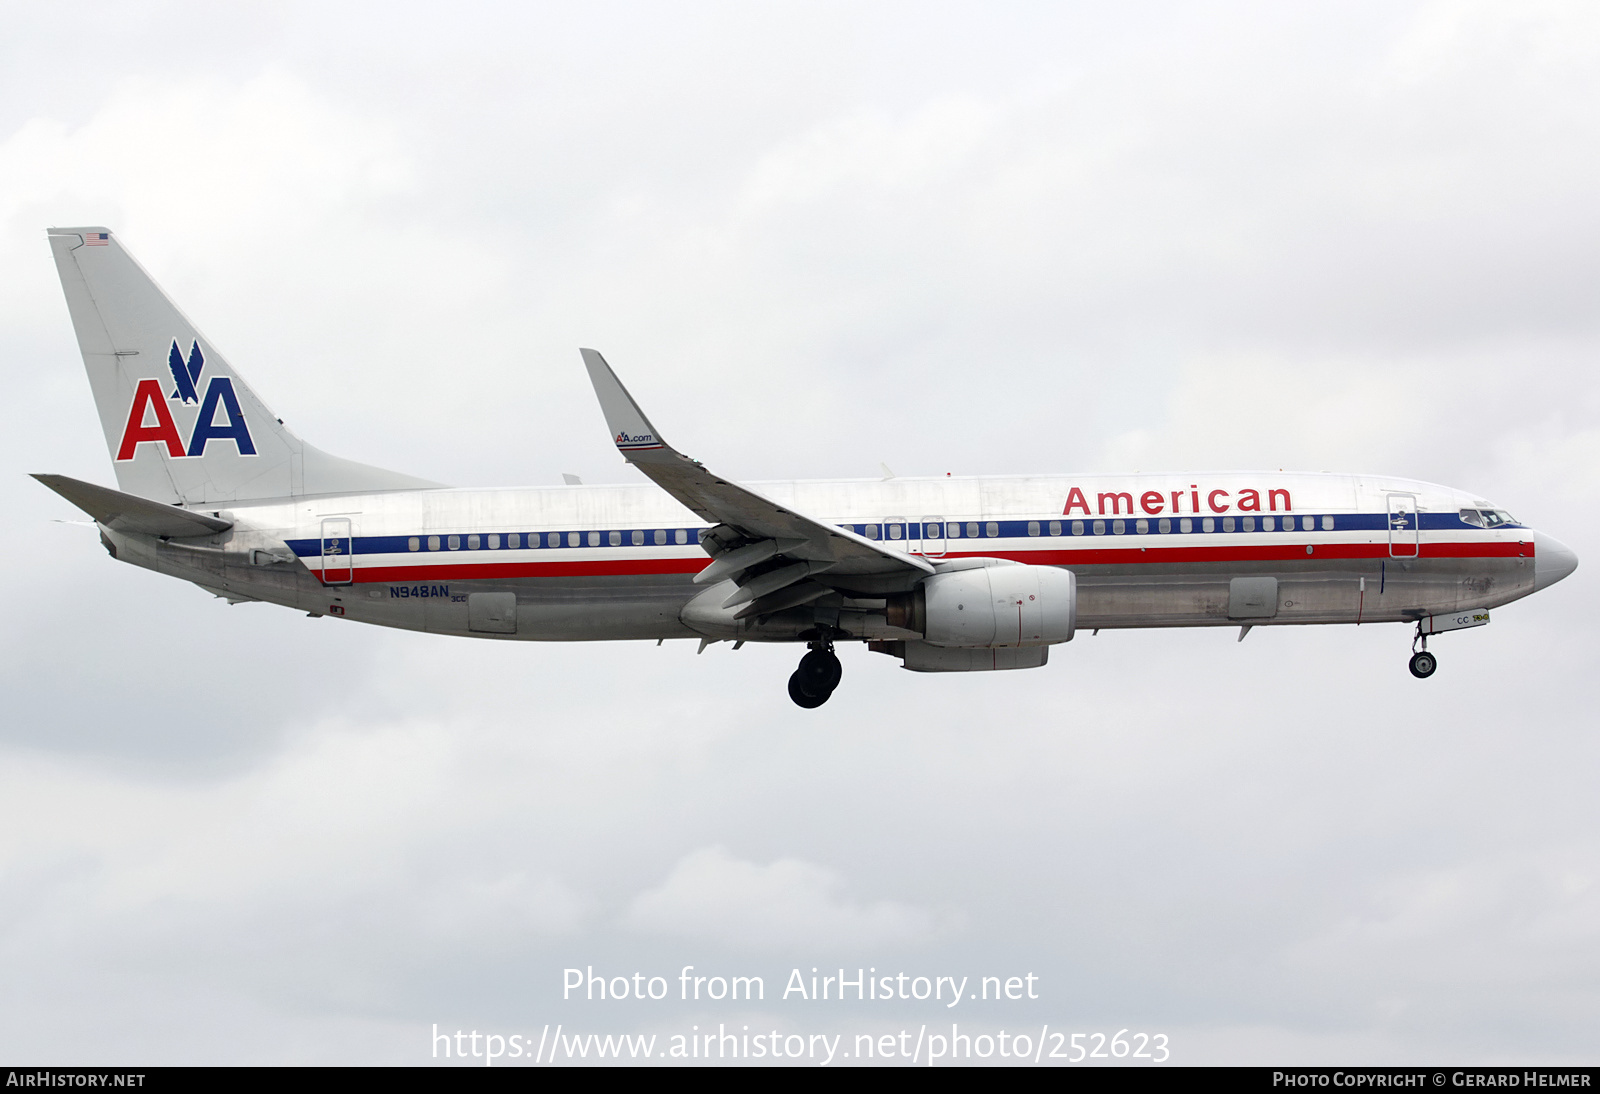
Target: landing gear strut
(819, 672)
(1422, 662)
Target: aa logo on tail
(149, 401)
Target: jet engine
(991, 607)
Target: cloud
(712, 896)
(222, 159)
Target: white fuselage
(617, 562)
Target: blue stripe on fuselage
(955, 532)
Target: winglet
(631, 431)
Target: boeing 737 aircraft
(945, 574)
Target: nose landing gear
(819, 672)
(1422, 662)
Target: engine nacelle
(995, 607)
(924, 657)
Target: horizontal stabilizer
(128, 513)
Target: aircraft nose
(1552, 560)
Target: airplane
(951, 574)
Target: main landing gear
(819, 672)
(1422, 662)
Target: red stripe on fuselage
(1083, 556)
(486, 571)
(1271, 552)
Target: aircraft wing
(131, 513)
(779, 557)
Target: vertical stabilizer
(180, 424)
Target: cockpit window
(1472, 516)
(1487, 518)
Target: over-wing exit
(944, 574)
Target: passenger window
(1186, 525)
(433, 543)
(972, 529)
(472, 542)
(614, 539)
(1033, 527)
(594, 539)
(1165, 526)
(1268, 524)
(931, 531)
(1308, 523)
(1118, 527)
(1249, 524)
(1055, 528)
(1327, 524)
(455, 543)
(1141, 526)
(894, 531)
(414, 544)
(953, 530)
(991, 529)
(660, 537)
(1209, 524)
(871, 532)
(1099, 527)
(1227, 524)
(574, 539)
(1077, 527)
(680, 536)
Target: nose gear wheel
(1423, 663)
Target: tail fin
(180, 424)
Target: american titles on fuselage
(1155, 502)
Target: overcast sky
(811, 237)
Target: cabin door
(338, 552)
(1405, 526)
